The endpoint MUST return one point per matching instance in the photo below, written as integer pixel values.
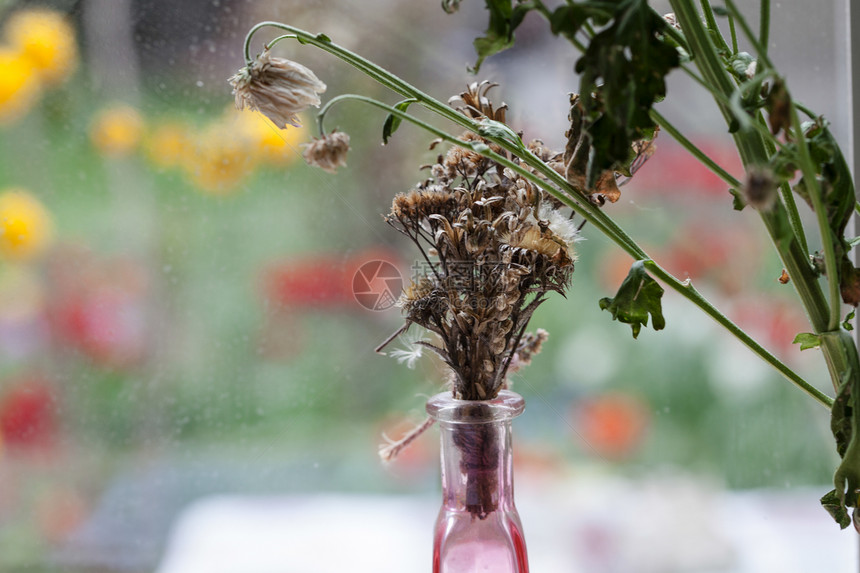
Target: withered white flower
(411, 352)
(327, 152)
(277, 87)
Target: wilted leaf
(623, 74)
(831, 502)
(844, 423)
(638, 296)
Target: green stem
(734, 35)
(813, 189)
(693, 149)
(764, 25)
(760, 50)
(711, 23)
(687, 290)
(379, 74)
(752, 148)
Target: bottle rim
(445, 408)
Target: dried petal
(327, 152)
(277, 87)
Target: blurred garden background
(177, 317)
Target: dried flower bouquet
(494, 220)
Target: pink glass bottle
(478, 528)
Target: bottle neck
(477, 469)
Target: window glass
(189, 312)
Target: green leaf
(834, 506)
(318, 37)
(738, 201)
(504, 19)
(623, 74)
(498, 130)
(567, 20)
(846, 324)
(638, 296)
(807, 340)
(837, 194)
(844, 423)
(721, 11)
(392, 122)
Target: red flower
(319, 281)
(611, 425)
(28, 415)
(98, 307)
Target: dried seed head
(474, 102)
(760, 188)
(499, 244)
(279, 88)
(327, 152)
(672, 20)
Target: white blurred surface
(596, 525)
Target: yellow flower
(26, 228)
(264, 139)
(220, 161)
(169, 144)
(19, 86)
(117, 130)
(47, 40)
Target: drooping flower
(25, 226)
(277, 87)
(47, 40)
(328, 152)
(19, 85)
(117, 130)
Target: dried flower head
(760, 188)
(495, 245)
(279, 88)
(328, 152)
(474, 102)
(672, 20)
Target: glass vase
(478, 528)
